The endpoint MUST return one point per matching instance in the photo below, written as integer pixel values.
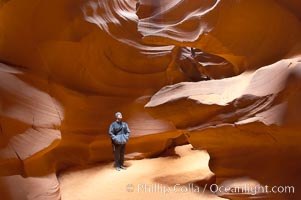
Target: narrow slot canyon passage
(150, 99)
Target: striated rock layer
(248, 123)
(248, 34)
(68, 65)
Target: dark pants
(118, 154)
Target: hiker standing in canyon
(119, 132)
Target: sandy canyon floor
(183, 174)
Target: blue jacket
(119, 132)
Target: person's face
(119, 117)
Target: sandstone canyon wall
(68, 65)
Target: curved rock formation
(30, 121)
(68, 65)
(248, 123)
(248, 34)
(63, 79)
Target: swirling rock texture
(68, 65)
